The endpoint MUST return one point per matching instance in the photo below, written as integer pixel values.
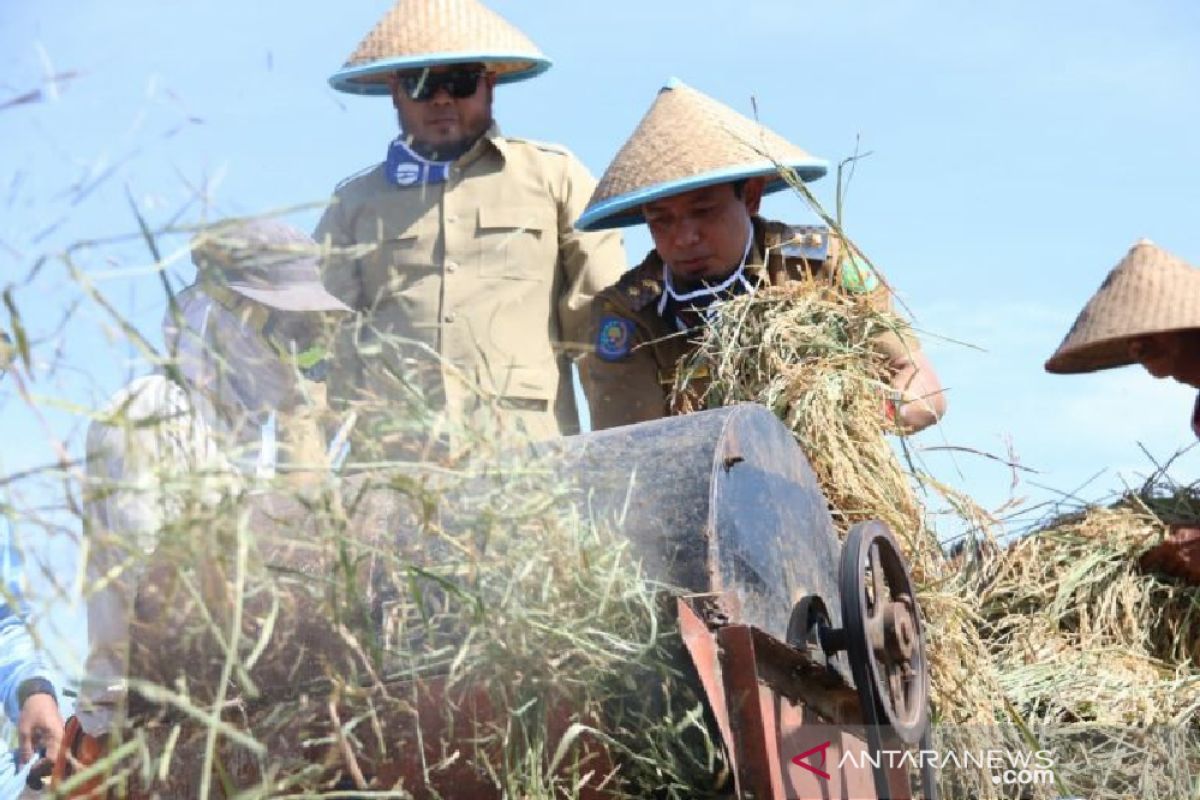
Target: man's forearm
(19, 664)
(920, 400)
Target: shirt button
(449, 317)
(451, 266)
(451, 219)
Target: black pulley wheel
(883, 636)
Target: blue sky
(1018, 150)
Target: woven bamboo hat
(430, 33)
(687, 140)
(1150, 291)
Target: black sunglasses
(422, 86)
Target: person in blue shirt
(27, 683)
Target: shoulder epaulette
(806, 242)
(818, 243)
(357, 176)
(642, 285)
(546, 147)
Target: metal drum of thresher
(721, 503)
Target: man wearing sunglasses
(204, 426)
(443, 111)
(458, 250)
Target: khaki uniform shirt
(637, 386)
(484, 276)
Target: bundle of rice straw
(803, 350)
(1099, 655)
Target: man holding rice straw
(695, 172)
(1146, 312)
(458, 250)
(203, 426)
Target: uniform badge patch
(614, 339)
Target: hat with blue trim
(1150, 291)
(431, 33)
(686, 141)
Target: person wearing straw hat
(458, 250)
(695, 172)
(1146, 312)
(202, 427)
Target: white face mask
(706, 295)
(227, 361)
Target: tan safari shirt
(484, 276)
(637, 386)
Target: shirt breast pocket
(516, 243)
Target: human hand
(39, 726)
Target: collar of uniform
(490, 142)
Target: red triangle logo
(800, 762)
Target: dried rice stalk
(1099, 655)
(803, 351)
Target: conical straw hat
(687, 140)
(1150, 291)
(430, 33)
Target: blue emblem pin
(614, 339)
